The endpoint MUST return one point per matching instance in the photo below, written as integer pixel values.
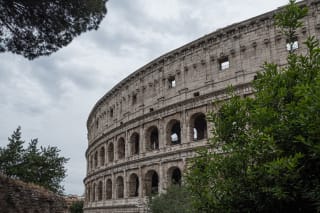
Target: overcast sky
(51, 97)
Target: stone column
(142, 140)
(113, 196)
(140, 182)
(161, 134)
(105, 153)
(184, 127)
(125, 184)
(161, 179)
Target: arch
(121, 148)
(152, 138)
(119, 187)
(94, 192)
(102, 156)
(133, 185)
(110, 152)
(174, 175)
(151, 183)
(95, 157)
(173, 132)
(100, 186)
(109, 189)
(134, 144)
(91, 162)
(198, 127)
(88, 198)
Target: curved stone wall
(143, 131)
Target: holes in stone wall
(152, 183)
(119, 187)
(152, 138)
(110, 152)
(100, 191)
(292, 45)
(121, 148)
(198, 125)
(133, 185)
(134, 144)
(102, 156)
(95, 159)
(172, 81)
(109, 189)
(224, 63)
(174, 132)
(174, 175)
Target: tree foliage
(265, 153)
(42, 166)
(35, 28)
(176, 200)
(76, 207)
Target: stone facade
(19, 197)
(143, 131)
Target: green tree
(265, 153)
(35, 28)
(177, 199)
(42, 166)
(76, 207)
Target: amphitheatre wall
(143, 131)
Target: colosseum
(143, 131)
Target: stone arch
(100, 190)
(110, 152)
(94, 192)
(102, 155)
(173, 132)
(151, 183)
(109, 189)
(119, 187)
(91, 162)
(135, 144)
(174, 175)
(152, 138)
(121, 148)
(95, 157)
(88, 195)
(198, 126)
(133, 185)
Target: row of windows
(198, 130)
(151, 185)
(223, 63)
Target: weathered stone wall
(143, 131)
(20, 197)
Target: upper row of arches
(103, 155)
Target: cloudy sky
(51, 97)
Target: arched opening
(121, 149)
(94, 192)
(174, 175)
(102, 156)
(152, 183)
(88, 198)
(134, 144)
(133, 185)
(198, 125)
(109, 189)
(119, 187)
(173, 132)
(96, 159)
(152, 138)
(110, 152)
(91, 162)
(100, 191)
